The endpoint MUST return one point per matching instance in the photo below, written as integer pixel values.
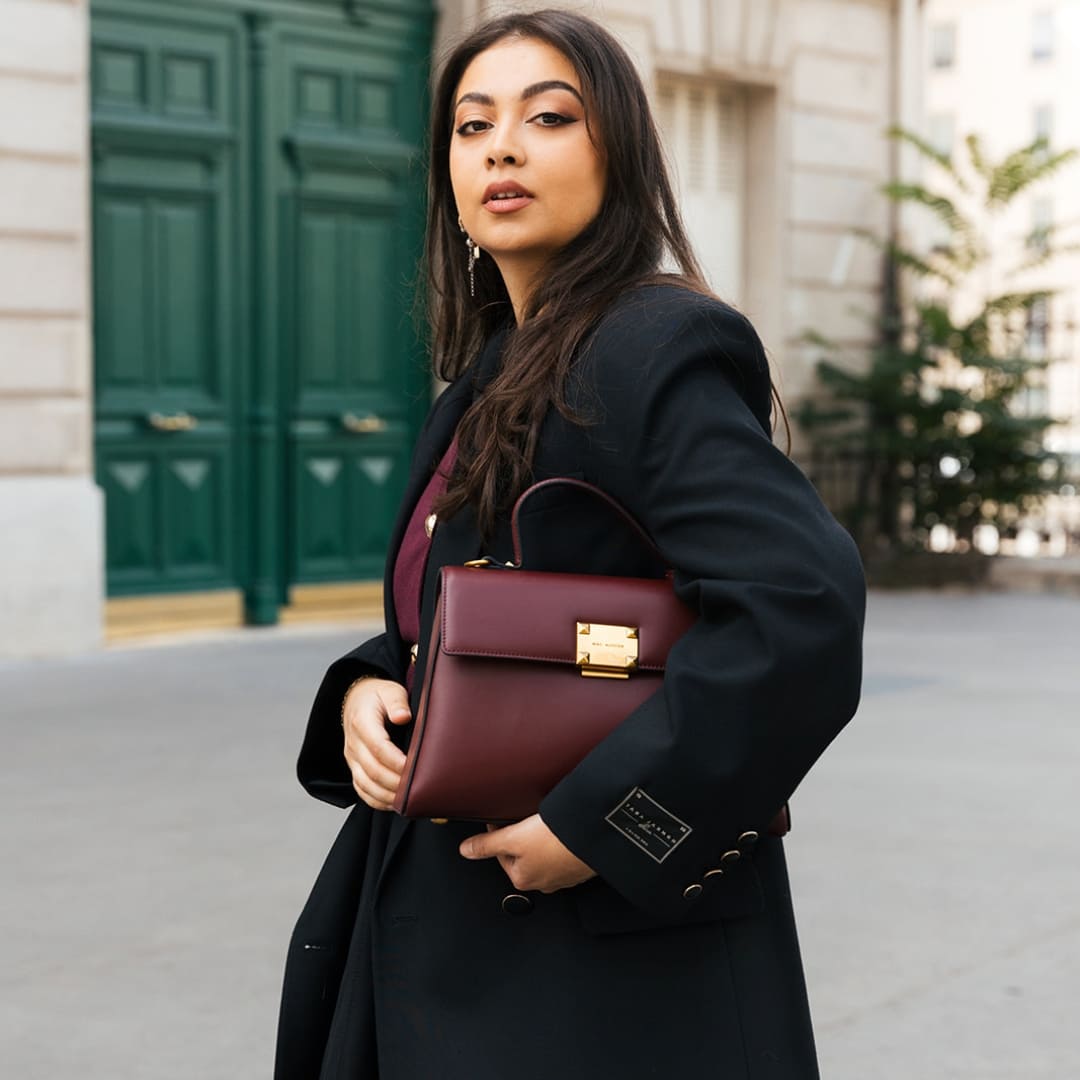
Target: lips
(506, 195)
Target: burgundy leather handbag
(526, 672)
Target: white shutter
(703, 124)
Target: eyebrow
(528, 92)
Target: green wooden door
(351, 126)
(166, 302)
(256, 207)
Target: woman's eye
(471, 127)
(550, 119)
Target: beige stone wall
(821, 84)
(50, 512)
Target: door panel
(350, 225)
(378, 478)
(124, 352)
(195, 492)
(129, 483)
(321, 269)
(344, 340)
(345, 495)
(183, 234)
(156, 282)
(369, 251)
(165, 256)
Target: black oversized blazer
(676, 390)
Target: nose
(504, 148)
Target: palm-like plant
(935, 423)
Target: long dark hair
(623, 246)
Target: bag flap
(532, 615)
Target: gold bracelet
(348, 691)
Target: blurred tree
(945, 424)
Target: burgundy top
(411, 560)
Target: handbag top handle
(590, 489)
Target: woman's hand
(531, 854)
(375, 762)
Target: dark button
(516, 904)
(692, 892)
(747, 838)
(714, 873)
(730, 858)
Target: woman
(560, 946)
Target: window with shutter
(704, 129)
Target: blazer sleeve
(771, 670)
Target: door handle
(363, 425)
(180, 421)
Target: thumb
(395, 702)
(482, 846)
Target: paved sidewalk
(935, 849)
(155, 849)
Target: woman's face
(526, 176)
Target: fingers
(495, 842)
(375, 763)
(378, 798)
(378, 773)
(371, 726)
(371, 734)
(530, 854)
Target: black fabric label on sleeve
(647, 825)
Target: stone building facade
(774, 115)
(51, 538)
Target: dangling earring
(474, 254)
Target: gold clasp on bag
(606, 652)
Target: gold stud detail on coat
(730, 858)
(429, 524)
(692, 892)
